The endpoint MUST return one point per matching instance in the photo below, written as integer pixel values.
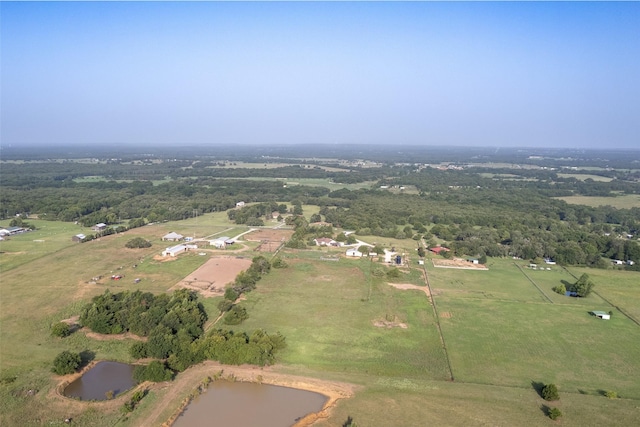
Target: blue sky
(422, 73)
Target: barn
(172, 237)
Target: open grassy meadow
(500, 330)
(627, 201)
(504, 329)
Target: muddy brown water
(242, 404)
(101, 379)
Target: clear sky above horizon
(507, 74)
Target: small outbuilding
(601, 315)
(99, 227)
(78, 238)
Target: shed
(78, 238)
(239, 204)
(601, 315)
(474, 261)
(221, 242)
(99, 227)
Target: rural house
(325, 241)
(354, 253)
(172, 237)
(439, 249)
(221, 242)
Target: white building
(178, 249)
(354, 253)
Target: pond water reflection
(242, 404)
(103, 378)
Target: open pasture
(502, 281)
(620, 288)
(584, 177)
(47, 238)
(548, 279)
(328, 314)
(514, 343)
(627, 201)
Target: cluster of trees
(244, 282)
(174, 327)
(509, 213)
(163, 318)
(138, 242)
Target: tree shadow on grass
(86, 357)
(538, 386)
(545, 410)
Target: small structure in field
(172, 237)
(353, 253)
(99, 227)
(601, 315)
(78, 238)
(239, 204)
(474, 260)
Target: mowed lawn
(503, 336)
(325, 311)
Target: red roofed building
(439, 249)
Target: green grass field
(583, 177)
(503, 328)
(621, 202)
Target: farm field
(328, 314)
(583, 177)
(499, 332)
(621, 202)
(344, 323)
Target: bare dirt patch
(406, 286)
(269, 235)
(457, 263)
(388, 324)
(112, 337)
(212, 277)
(445, 315)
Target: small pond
(242, 404)
(102, 378)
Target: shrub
(66, 363)
(560, 289)
(279, 263)
(393, 273)
(138, 350)
(550, 392)
(236, 315)
(61, 329)
(225, 305)
(554, 413)
(155, 371)
(138, 242)
(611, 394)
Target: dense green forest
(474, 203)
